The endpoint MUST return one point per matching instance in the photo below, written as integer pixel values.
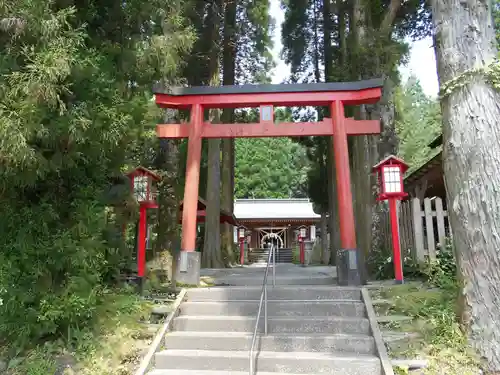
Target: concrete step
(263, 260)
(209, 372)
(227, 341)
(280, 280)
(296, 293)
(276, 308)
(280, 362)
(262, 255)
(275, 324)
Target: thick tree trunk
(333, 219)
(471, 151)
(342, 35)
(361, 145)
(227, 191)
(212, 257)
(327, 39)
(325, 251)
(228, 154)
(167, 245)
(366, 151)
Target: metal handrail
(263, 300)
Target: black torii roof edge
(269, 88)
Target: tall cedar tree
(470, 106)
(228, 145)
(212, 255)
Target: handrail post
(274, 265)
(265, 310)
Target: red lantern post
(141, 181)
(241, 237)
(302, 237)
(390, 173)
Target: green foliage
(440, 273)
(254, 29)
(432, 305)
(496, 19)
(270, 168)
(75, 106)
(101, 350)
(382, 266)
(435, 307)
(441, 340)
(418, 122)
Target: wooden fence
(422, 227)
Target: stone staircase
(261, 256)
(313, 329)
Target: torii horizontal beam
(287, 95)
(270, 129)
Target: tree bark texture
(333, 219)
(212, 256)
(167, 163)
(325, 251)
(361, 146)
(471, 152)
(366, 151)
(228, 151)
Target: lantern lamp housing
(143, 184)
(390, 173)
(303, 232)
(241, 233)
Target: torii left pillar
(189, 261)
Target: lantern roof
(392, 160)
(144, 171)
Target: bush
(441, 273)
(382, 267)
(50, 271)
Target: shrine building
(276, 221)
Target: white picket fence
(422, 227)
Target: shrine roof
(269, 88)
(268, 209)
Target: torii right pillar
(350, 264)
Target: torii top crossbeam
(333, 95)
(286, 95)
(268, 96)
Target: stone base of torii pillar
(188, 268)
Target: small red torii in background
(332, 95)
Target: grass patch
(435, 317)
(114, 346)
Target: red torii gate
(333, 95)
